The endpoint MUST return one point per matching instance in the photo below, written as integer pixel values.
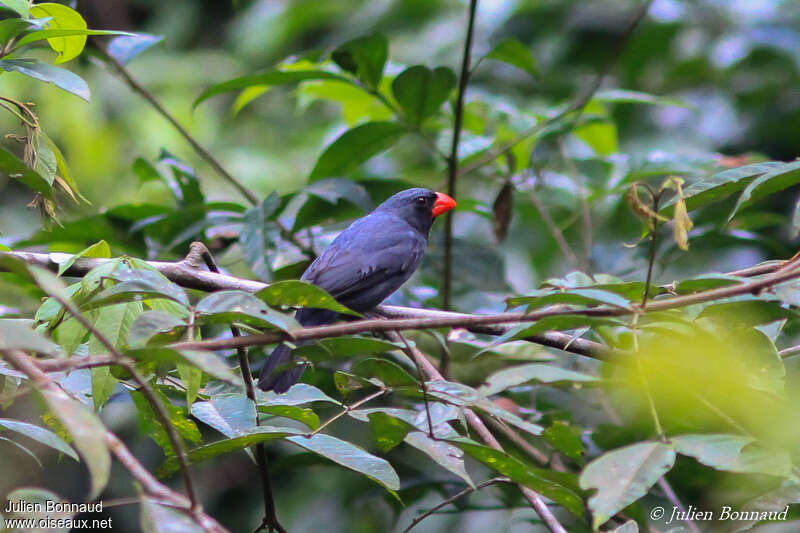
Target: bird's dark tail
(280, 381)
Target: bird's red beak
(443, 204)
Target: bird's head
(418, 206)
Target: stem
(346, 410)
(453, 498)
(452, 161)
(673, 498)
(555, 231)
(424, 386)
(480, 428)
(652, 259)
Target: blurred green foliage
(324, 109)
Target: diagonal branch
(151, 486)
(480, 428)
(453, 498)
(160, 410)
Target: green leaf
(364, 57)
(421, 91)
(636, 97)
(239, 306)
(128, 46)
(565, 438)
(543, 481)
(513, 52)
(301, 414)
(61, 78)
(387, 430)
(39, 434)
(208, 362)
(705, 282)
(20, 6)
(88, 435)
(67, 46)
(151, 423)
(158, 518)
(155, 326)
(103, 383)
(138, 285)
(230, 414)
(240, 442)
(508, 417)
(557, 323)
(624, 475)
(15, 168)
(344, 347)
(298, 394)
(192, 379)
(10, 28)
(775, 180)
(445, 454)
(354, 147)
(390, 373)
(748, 313)
(517, 375)
(52, 37)
(98, 249)
(258, 236)
(725, 452)
(720, 185)
(16, 334)
(293, 293)
(274, 77)
(350, 456)
(546, 297)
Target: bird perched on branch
(363, 266)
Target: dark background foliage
(699, 87)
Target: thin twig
(578, 105)
(453, 498)
(673, 498)
(394, 335)
(150, 485)
(555, 231)
(452, 162)
(655, 196)
(480, 428)
(158, 106)
(347, 409)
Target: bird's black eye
(421, 200)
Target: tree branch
(130, 367)
(453, 498)
(452, 161)
(480, 428)
(151, 486)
